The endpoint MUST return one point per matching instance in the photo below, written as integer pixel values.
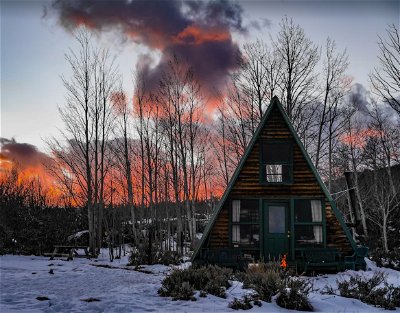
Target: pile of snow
(121, 289)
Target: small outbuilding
(277, 207)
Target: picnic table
(68, 251)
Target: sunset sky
(35, 36)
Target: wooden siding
(304, 185)
(336, 238)
(219, 235)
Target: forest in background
(154, 164)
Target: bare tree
(260, 75)
(353, 143)
(382, 193)
(299, 57)
(79, 156)
(105, 76)
(123, 150)
(335, 85)
(385, 79)
(385, 141)
(221, 148)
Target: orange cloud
(358, 139)
(197, 35)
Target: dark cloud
(23, 154)
(217, 13)
(259, 24)
(266, 22)
(197, 32)
(358, 98)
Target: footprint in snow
(91, 300)
(42, 298)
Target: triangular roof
(274, 104)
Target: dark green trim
(230, 223)
(292, 238)
(323, 208)
(274, 103)
(261, 214)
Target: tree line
(165, 161)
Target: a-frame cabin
(276, 204)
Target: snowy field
(120, 289)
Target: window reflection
(246, 234)
(308, 235)
(276, 219)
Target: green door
(276, 235)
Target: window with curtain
(308, 222)
(276, 162)
(245, 222)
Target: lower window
(308, 235)
(246, 234)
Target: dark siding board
(335, 234)
(219, 236)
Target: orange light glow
(196, 35)
(36, 175)
(358, 139)
(283, 261)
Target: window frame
(232, 223)
(321, 223)
(264, 163)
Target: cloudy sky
(35, 36)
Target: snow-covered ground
(120, 289)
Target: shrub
(371, 290)
(217, 280)
(270, 279)
(241, 304)
(328, 290)
(141, 256)
(175, 286)
(167, 257)
(265, 279)
(357, 286)
(390, 259)
(211, 279)
(295, 295)
(393, 295)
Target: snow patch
(122, 290)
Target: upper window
(276, 163)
